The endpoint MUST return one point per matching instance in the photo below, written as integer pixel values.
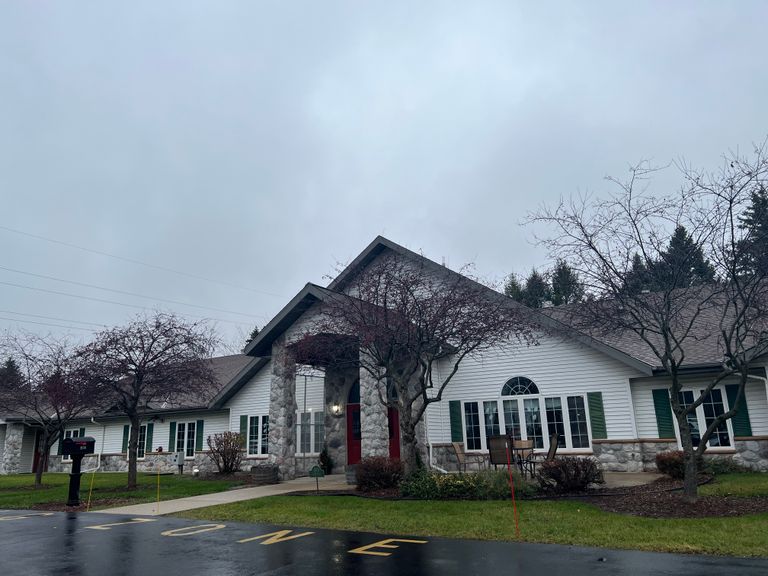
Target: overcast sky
(259, 143)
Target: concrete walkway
(333, 482)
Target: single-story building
(603, 397)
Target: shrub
(673, 464)
(226, 451)
(569, 474)
(325, 461)
(378, 473)
(483, 485)
(723, 465)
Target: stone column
(282, 411)
(337, 384)
(14, 434)
(374, 428)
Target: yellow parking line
(190, 530)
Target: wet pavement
(47, 543)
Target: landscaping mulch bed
(664, 499)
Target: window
(258, 435)
(185, 438)
(70, 434)
(712, 406)
(527, 415)
(491, 419)
(519, 386)
(555, 425)
(472, 426)
(578, 417)
(310, 432)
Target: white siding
(252, 399)
(112, 430)
(645, 413)
(27, 450)
(556, 365)
(315, 391)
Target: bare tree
(403, 318)
(616, 243)
(42, 382)
(154, 359)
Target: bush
(325, 461)
(673, 464)
(483, 485)
(378, 473)
(723, 465)
(226, 451)
(569, 474)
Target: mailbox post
(76, 448)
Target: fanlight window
(518, 386)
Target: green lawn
(17, 491)
(562, 522)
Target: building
(603, 397)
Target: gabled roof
(311, 293)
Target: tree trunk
(42, 459)
(133, 445)
(409, 453)
(690, 484)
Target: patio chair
(498, 453)
(553, 442)
(524, 456)
(463, 458)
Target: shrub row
(569, 474)
(483, 485)
(378, 473)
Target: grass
(561, 522)
(17, 491)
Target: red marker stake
(512, 489)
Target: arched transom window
(519, 386)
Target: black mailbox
(78, 446)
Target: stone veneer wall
(153, 462)
(630, 456)
(14, 435)
(752, 453)
(338, 381)
(282, 411)
(374, 425)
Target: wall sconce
(336, 409)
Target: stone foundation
(636, 456)
(14, 435)
(752, 453)
(155, 462)
(444, 456)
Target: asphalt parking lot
(42, 543)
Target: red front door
(353, 433)
(394, 433)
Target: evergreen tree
(754, 247)
(681, 265)
(637, 279)
(10, 375)
(536, 290)
(566, 286)
(254, 333)
(513, 288)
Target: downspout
(429, 441)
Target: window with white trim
(714, 405)
(258, 435)
(69, 434)
(185, 438)
(310, 432)
(141, 446)
(525, 414)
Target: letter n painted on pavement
(276, 537)
(368, 549)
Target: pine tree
(637, 279)
(681, 265)
(10, 375)
(754, 221)
(513, 288)
(536, 290)
(566, 286)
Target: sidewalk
(333, 482)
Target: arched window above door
(518, 386)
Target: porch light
(336, 409)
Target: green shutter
(664, 421)
(126, 430)
(597, 415)
(61, 441)
(199, 435)
(740, 422)
(82, 432)
(148, 444)
(244, 429)
(172, 437)
(457, 430)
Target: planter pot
(264, 474)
